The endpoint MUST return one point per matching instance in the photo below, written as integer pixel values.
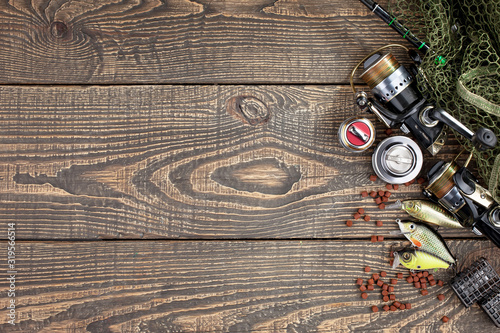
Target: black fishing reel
(397, 103)
(457, 190)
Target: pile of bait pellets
(387, 286)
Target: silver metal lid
(397, 160)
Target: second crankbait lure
(428, 212)
(416, 259)
(426, 239)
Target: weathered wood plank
(242, 286)
(185, 41)
(185, 161)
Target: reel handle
(483, 139)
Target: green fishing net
(467, 34)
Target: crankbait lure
(428, 212)
(416, 259)
(426, 239)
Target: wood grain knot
(268, 176)
(59, 29)
(249, 109)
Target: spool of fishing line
(356, 134)
(397, 160)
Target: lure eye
(406, 256)
(412, 226)
(410, 204)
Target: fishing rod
(393, 22)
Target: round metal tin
(397, 160)
(356, 134)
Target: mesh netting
(467, 34)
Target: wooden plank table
(174, 167)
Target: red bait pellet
(424, 292)
(374, 239)
(361, 211)
(379, 223)
(387, 194)
(374, 308)
(373, 194)
(394, 281)
(445, 319)
(359, 281)
(389, 187)
(373, 178)
(375, 276)
(388, 131)
(381, 206)
(349, 223)
(440, 283)
(364, 295)
(383, 273)
(400, 275)
(380, 238)
(367, 269)
(364, 194)
(378, 201)
(381, 193)
(441, 297)
(396, 187)
(367, 218)
(386, 308)
(356, 216)
(362, 288)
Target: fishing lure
(426, 239)
(416, 259)
(428, 212)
